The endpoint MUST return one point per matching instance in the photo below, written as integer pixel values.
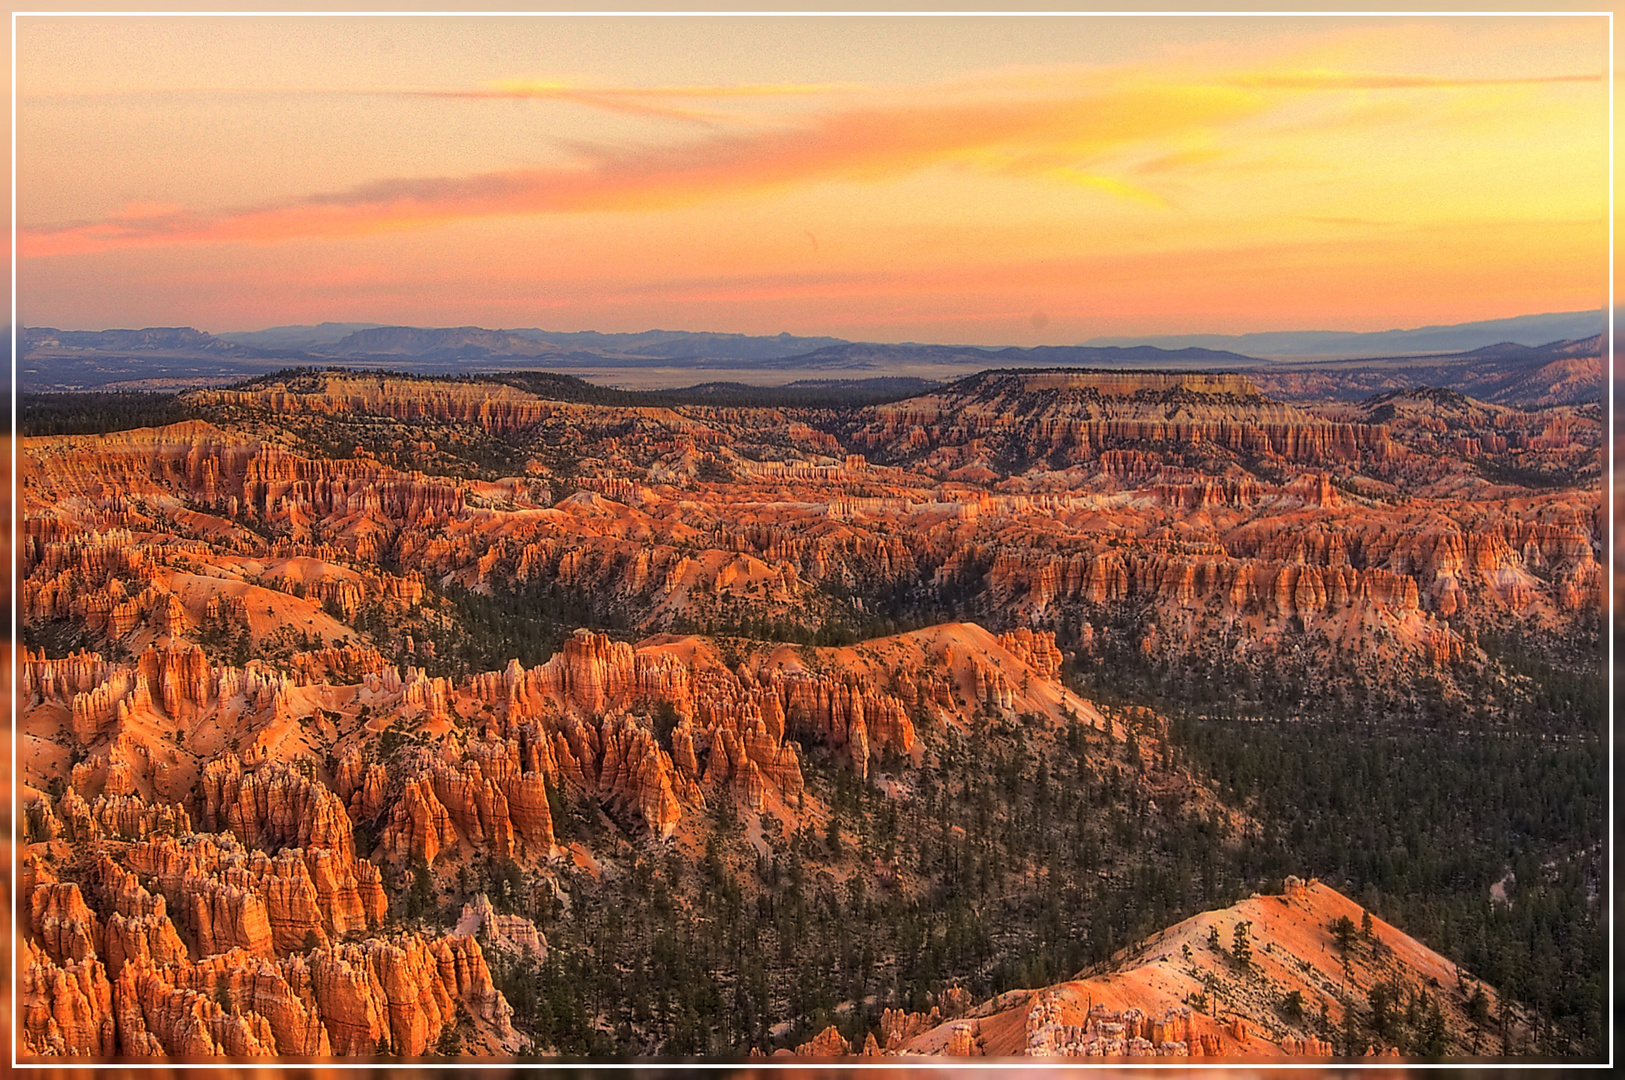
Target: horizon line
(1090, 342)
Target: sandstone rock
(1308, 1046)
(514, 933)
(962, 1041)
(150, 938)
(898, 1027)
(274, 806)
(226, 917)
(402, 991)
(67, 929)
(826, 1044)
(64, 1011)
(419, 827)
(159, 1019)
(956, 1001)
(637, 775)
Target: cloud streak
(1343, 80)
(1056, 127)
(654, 101)
(1014, 135)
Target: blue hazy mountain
(298, 337)
(1528, 330)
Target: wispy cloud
(1347, 80)
(1058, 126)
(1056, 135)
(661, 101)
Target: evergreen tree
(1353, 1041)
(1241, 949)
(420, 896)
(1342, 929)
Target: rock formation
(513, 933)
(249, 716)
(199, 947)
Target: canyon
(349, 706)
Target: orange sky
(997, 181)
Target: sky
(1012, 181)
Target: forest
(97, 413)
(731, 952)
(1415, 800)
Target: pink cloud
(870, 144)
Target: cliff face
(391, 995)
(492, 406)
(273, 807)
(63, 1010)
(587, 720)
(1075, 416)
(584, 721)
(1035, 497)
(199, 948)
(515, 933)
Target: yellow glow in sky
(991, 180)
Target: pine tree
(1241, 948)
(1351, 1036)
(420, 898)
(1342, 929)
(1380, 998)
(1478, 1007)
(1432, 1040)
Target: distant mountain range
(463, 345)
(1529, 330)
(681, 344)
(297, 337)
(1558, 373)
(1426, 340)
(351, 338)
(152, 339)
(1515, 368)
